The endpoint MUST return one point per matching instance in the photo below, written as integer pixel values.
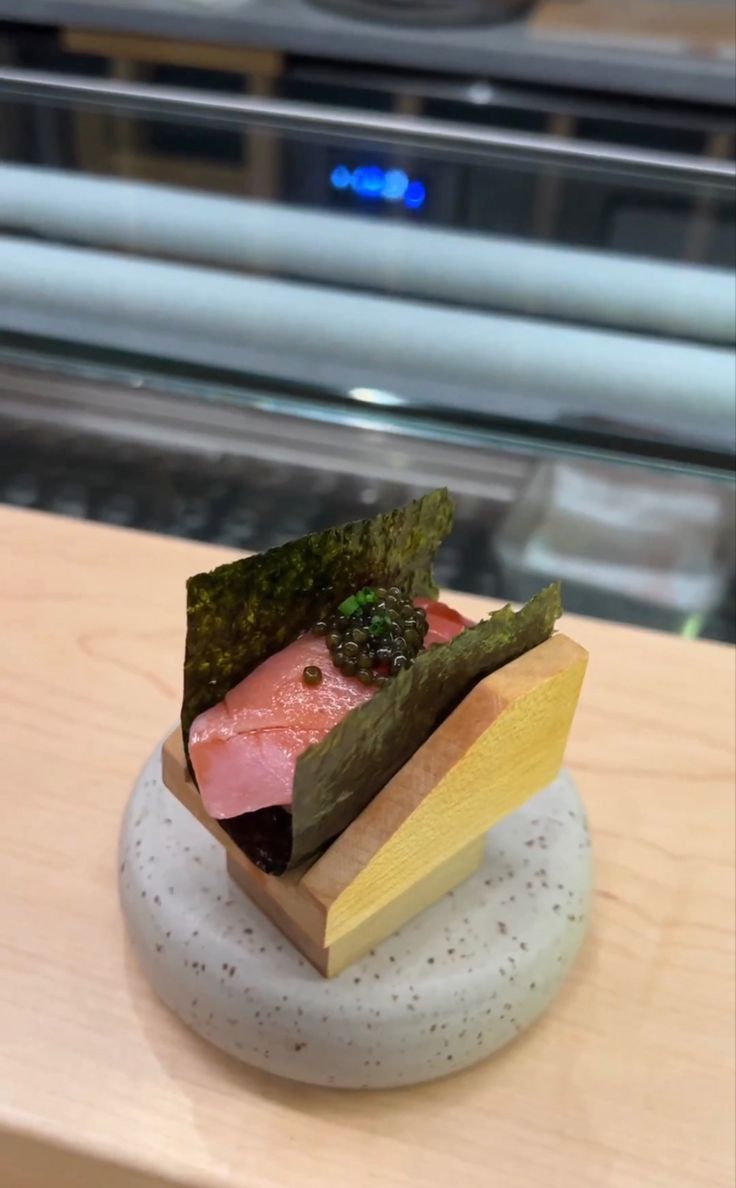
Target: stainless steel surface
(502, 51)
(426, 12)
(477, 93)
(352, 124)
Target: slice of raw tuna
(244, 749)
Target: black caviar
(374, 634)
(312, 675)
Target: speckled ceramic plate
(451, 987)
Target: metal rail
(428, 133)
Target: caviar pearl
(374, 633)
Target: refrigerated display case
(238, 317)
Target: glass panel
(590, 293)
(238, 320)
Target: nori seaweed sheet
(243, 612)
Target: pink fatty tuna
(244, 749)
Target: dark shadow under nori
(264, 837)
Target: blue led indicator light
(395, 185)
(368, 181)
(415, 195)
(341, 178)
(372, 182)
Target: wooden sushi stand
(425, 831)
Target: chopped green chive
(349, 606)
(380, 625)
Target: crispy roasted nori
(241, 613)
(336, 779)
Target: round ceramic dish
(454, 985)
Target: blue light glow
(415, 195)
(369, 181)
(372, 182)
(341, 178)
(396, 185)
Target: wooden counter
(627, 1083)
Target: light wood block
(424, 832)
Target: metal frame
(476, 92)
(423, 133)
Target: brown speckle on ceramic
(453, 986)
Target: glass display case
(237, 317)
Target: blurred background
(266, 265)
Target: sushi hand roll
(314, 671)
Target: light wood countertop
(628, 1082)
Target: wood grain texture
(627, 1083)
(503, 743)
(415, 840)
